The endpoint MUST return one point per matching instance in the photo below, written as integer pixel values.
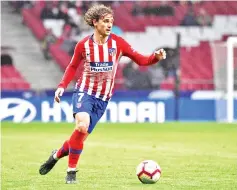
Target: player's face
(104, 25)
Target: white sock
(55, 156)
(71, 169)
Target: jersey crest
(112, 51)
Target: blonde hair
(96, 12)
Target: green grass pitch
(191, 155)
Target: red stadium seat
(12, 79)
(34, 23)
(196, 69)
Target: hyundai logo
(20, 109)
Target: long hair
(96, 12)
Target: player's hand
(160, 54)
(59, 92)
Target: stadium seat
(12, 80)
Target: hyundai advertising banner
(45, 110)
(118, 110)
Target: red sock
(75, 148)
(64, 150)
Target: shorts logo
(112, 51)
(78, 105)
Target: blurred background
(38, 40)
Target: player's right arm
(69, 72)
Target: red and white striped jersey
(100, 65)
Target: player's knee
(82, 122)
(82, 127)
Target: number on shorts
(80, 96)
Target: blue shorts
(82, 102)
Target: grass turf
(191, 155)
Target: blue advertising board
(134, 108)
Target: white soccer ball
(148, 172)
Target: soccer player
(100, 53)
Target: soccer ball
(148, 172)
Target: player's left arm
(69, 72)
(140, 59)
